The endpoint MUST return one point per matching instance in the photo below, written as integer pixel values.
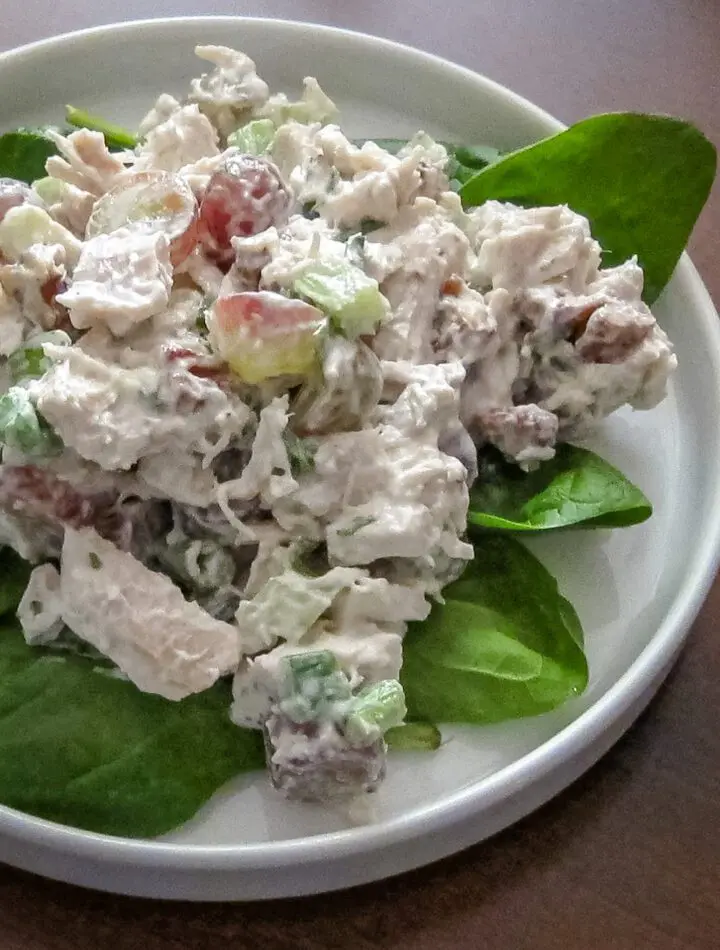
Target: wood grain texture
(629, 856)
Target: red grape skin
(243, 197)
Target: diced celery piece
(255, 138)
(315, 688)
(414, 737)
(319, 663)
(351, 299)
(29, 361)
(374, 710)
(26, 225)
(21, 428)
(313, 106)
(50, 190)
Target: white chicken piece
(102, 411)
(85, 161)
(147, 343)
(12, 322)
(381, 494)
(268, 473)
(314, 106)
(40, 610)
(465, 329)
(231, 90)
(526, 247)
(619, 355)
(120, 280)
(67, 204)
(290, 249)
(428, 403)
(32, 538)
(165, 106)
(299, 160)
(377, 600)
(113, 416)
(184, 137)
(203, 272)
(376, 185)
(412, 259)
(34, 282)
(140, 619)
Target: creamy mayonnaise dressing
(190, 525)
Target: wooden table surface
(629, 857)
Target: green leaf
(23, 428)
(23, 154)
(14, 575)
(641, 180)
(414, 737)
(475, 156)
(301, 453)
(505, 644)
(576, 487)
(81, 746)
(28, 361)
(116, 136)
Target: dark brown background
(629, 857)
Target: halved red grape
(244, 197)
(151, 202)
(263, 335)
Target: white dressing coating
(12, 323)
(40, 610)
(207, 524)
(120, 279)
(139, 619)
(232, 88)
(26, 226)
(39, 269)
(184, 136)
(85, 161)
(287, 606)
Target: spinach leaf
(466, 161)
(505, 643)
(575, 487)
(23, 154)
(641, 180)
(81, 746)
(14, 575)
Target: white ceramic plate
(637, 591)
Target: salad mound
(273, 401)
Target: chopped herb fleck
(357, 525)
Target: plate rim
(646, 671)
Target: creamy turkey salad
(247, 367)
